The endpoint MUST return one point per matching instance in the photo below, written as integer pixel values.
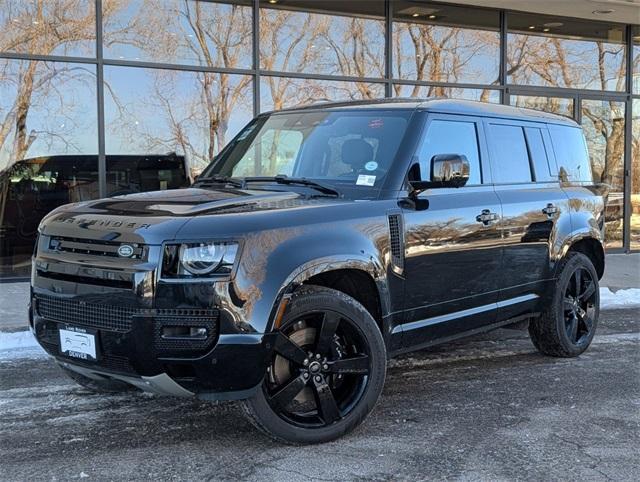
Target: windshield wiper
(301, 181)
(219, 179)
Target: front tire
(568, 325)
(327, 370)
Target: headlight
(198, 259)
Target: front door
(452, 241)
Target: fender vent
(396, 241)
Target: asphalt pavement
(485, 408)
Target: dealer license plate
(78, 342)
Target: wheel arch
(588, 242)
(592, 249)
(362, 279)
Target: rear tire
(327, 371)
(567, 326)
(98, 386)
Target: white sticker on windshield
(371, 166)
(364, 180)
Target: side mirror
(447, 170)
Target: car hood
(154, 217)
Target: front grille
(94, 247)
(105, 317)
(119, 319)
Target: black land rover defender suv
(319, 243)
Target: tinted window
(451, 137)
(510, 156)
(571, 153)
(538, 153)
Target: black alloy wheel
(320, 370)
(579, 306)
(326, 372)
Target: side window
(571, 153)
(510, 155)
(451, 137)
(538, 153)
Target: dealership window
(163, 125)
(552, 52)
(48, 27)
(424, 91)
(284, 92)
(635, 32)
(178, 114)
(50, 157)
(442, 43)
(635, 176)
(604, 126)
(330, 44)
(179, 32)
(555, 105)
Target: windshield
(350, 150)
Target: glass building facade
(104, 97)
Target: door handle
(486, 217)
(550, 210)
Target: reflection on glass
(321, 44)
(603, 123)
(571, 54)
(179, 32)
(425, 91)
(280, 92)
(635, 32)
(47, 119)
(554, 105)
(635, 176)
(174, 113)
(427, 50)
(48, 27)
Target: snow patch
(20, 344)
(629, 298)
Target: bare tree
(440, 54)
(183, 31)
(41, 27)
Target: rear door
(452, 240)
(532, 202)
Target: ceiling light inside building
(553, 24)
(418, 11)
(432, 17)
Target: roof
(445, 106)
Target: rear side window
(571, 153)
(538, 153)
(510, 155)
(451, 137)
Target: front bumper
(229, 366)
